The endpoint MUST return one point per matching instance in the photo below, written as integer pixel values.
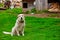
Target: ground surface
(44, 15)
(37, 28)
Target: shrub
(45, 11)
(42, 11)
(53, 15)
(33, 10)
(27, 12)
(1, 4)
(14, 10)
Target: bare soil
(45, 15)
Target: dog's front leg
(17, 32)
(23, 32)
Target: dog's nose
(21, 18)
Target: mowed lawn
(35, 29)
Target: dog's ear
(18, 16)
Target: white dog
(19, 26)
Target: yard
(35, 29)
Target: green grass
(35, 29)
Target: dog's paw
(18, 34)
(11, 34)
(22, 34)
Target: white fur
(19, 27)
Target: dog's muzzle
(22, 20)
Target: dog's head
(21, 17)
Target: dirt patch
(45, 15)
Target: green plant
(42, 11)
(45, 11)
(14, 10)
(33, 10)
(27, 12)
(1, 4)
(53, 15)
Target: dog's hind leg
(12, 33)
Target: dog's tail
(6, 32)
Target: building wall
(41, 4)
(29, 3)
